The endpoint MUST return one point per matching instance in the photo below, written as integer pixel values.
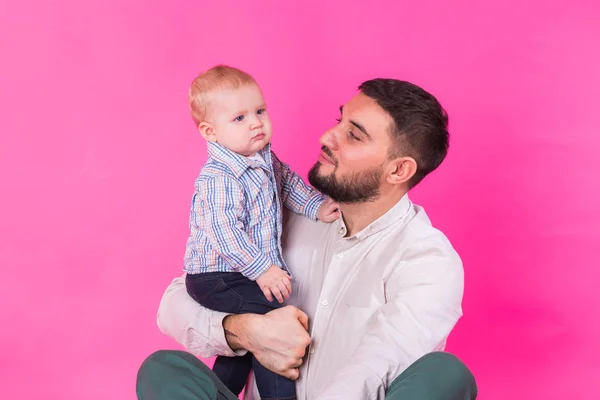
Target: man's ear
(401, 170)
(207, 131)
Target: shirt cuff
(257, 267)
(217, 336)
(313, 205)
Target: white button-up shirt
(376, 301)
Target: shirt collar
(237, 162)
(394, 215)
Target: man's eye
(353, 136)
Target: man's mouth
(326, 157)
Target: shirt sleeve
(198, 329)
(296, 195)
(424, 296)
(219, 209)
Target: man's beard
(358, 187)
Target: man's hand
(277, 339)
(329, 211)
(275, 282)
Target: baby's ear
(207, 131)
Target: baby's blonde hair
(216, 78)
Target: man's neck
(357, 216)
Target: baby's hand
(277, 282)
(329, 211)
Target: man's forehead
(368, 113)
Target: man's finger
(303, 318)
(292, 374)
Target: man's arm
(296, 195)
(198, 329)
(424, 297)
(277, 339)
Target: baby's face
(239, 119)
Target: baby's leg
(211, 291)
(232, 292)
(233, 371)
(270, 385)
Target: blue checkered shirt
(235, 218)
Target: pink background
(98, 155)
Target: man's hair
(420, 126)
(217, 78)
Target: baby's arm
(297, 195)
(218, 208)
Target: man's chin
(316, 177)
(322, 176)
(324, 170)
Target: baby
(233, 256)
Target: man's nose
(329, 139)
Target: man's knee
(159, 357)
(152, 363)
(458, 378)
(149, 381)
(165, 372)
(160, 361)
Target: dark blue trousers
(232, 292)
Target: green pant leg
(177, 375)
(435, 376)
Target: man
(379, 290)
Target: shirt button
(342, 231)
(312, 350)
(340, 255)
(325, 302)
